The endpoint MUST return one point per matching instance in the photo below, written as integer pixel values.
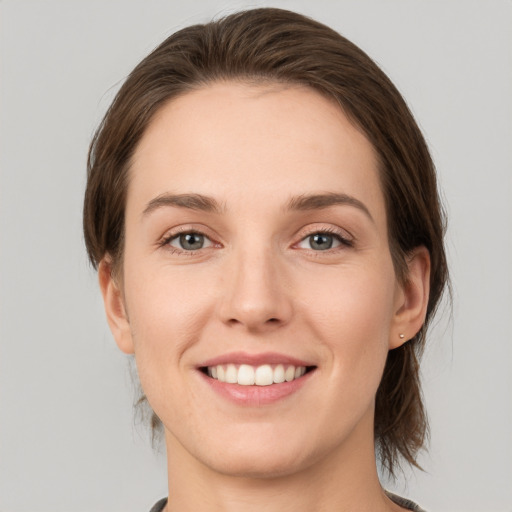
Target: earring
(402, 336)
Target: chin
(259, 457)
(259, 466)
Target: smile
(262, 375)
(256, 380)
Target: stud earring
(402, 336)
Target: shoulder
(404, 502)
(159, 505)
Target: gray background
(68, 441)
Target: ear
(411, 299)
(114, 307)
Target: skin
(258, 285)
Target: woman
(263, 213)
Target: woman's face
(256, 242)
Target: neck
(344, 480)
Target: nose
(256, 292)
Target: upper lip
(255, 359)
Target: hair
(268, 46)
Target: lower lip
(256, 395)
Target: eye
(191, 241)
(323, 241)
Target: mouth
(252, 375)
(256, 380)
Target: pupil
(191, 241)
(320, 241)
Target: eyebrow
(190, 201)
(298, 203)
(320, 201)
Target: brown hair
(274, 45)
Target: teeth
(289, 374)
(246, 375)
(279, 374)
(299, 371)
(231, 374)
(263, 375)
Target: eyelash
(166, 241)
(336, 234)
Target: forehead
(239, 142)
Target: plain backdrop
(68, 440)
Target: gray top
(159, 505)
(403, 502)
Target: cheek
(167, 312)
(351, 317)
(358, 298)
